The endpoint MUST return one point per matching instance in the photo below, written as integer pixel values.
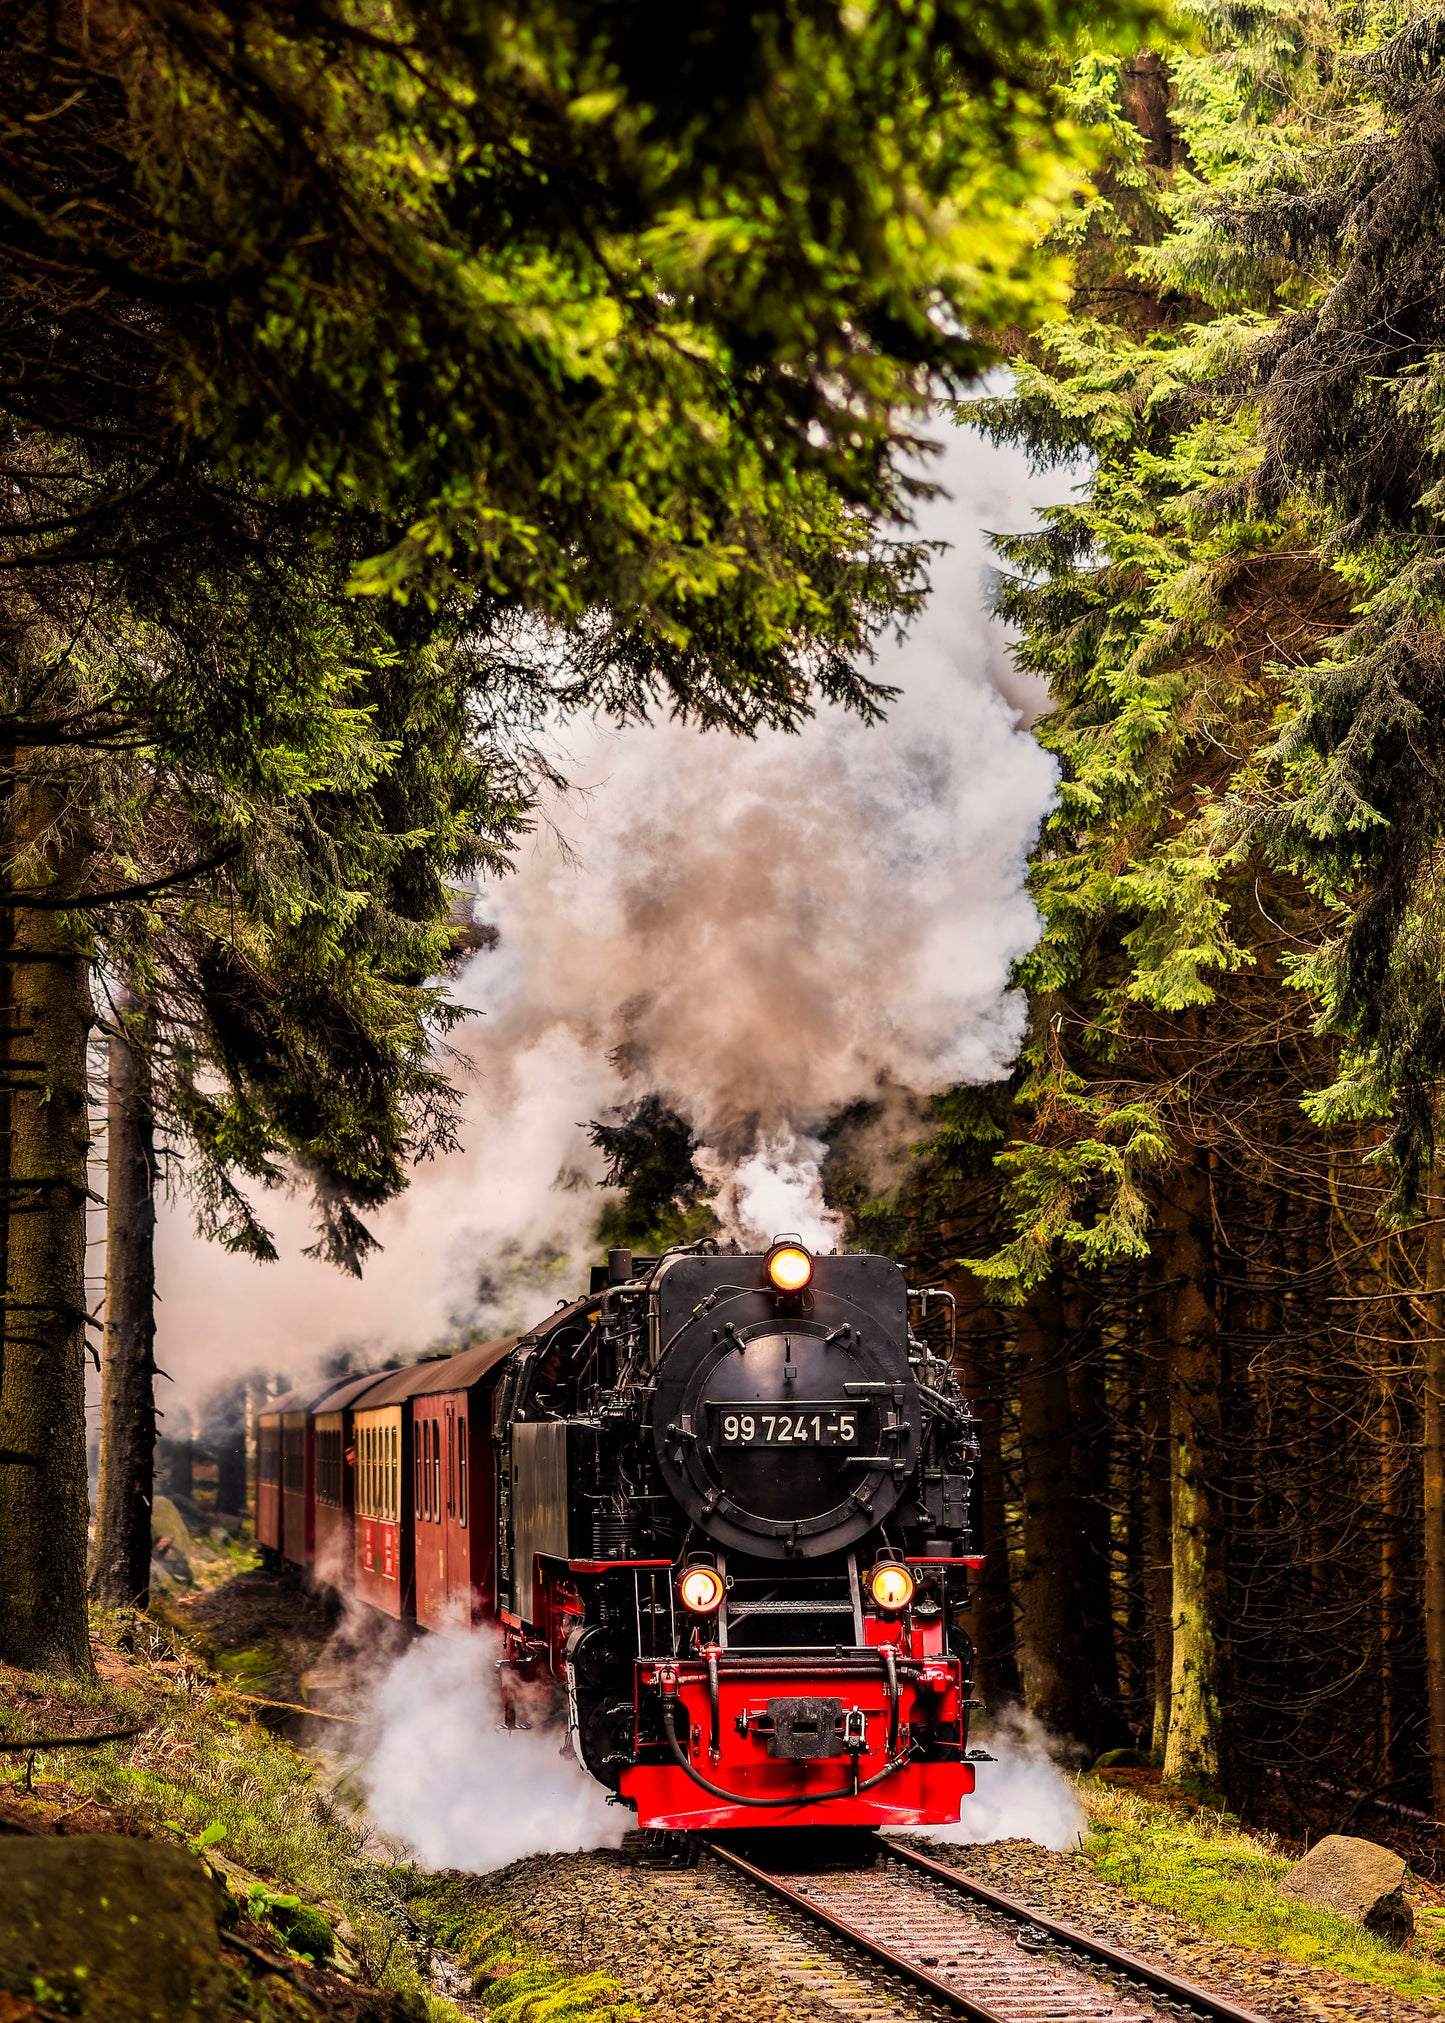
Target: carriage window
(461, 1471)
(419, 1472)
(293, 1459)
(393, 1486)
(436, 1471)
(328, 1466)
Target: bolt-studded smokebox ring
(687, 1429)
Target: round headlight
(891, 1584)
(701, 1589)
(789, 1267)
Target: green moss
(513, 1981)
(305, 1930)
(248, 1668)
(1225, 1880)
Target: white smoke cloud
(1021, 1795)
(775, 1190)
(759, 930)
(461, 1788)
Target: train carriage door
(458, 1572)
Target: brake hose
(669, 1706)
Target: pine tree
(574, 361)
(1176, 610)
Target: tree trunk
(1136, 1676)
(121, 1555)
(994, 1636)
(1391, 1448)
(1195, 1749)
(1092, 1444)
(231, 1473)
(1159, 1535)
(1145, 92)
(1051, 1654)
(42, 1381)
(1434, 1512)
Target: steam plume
(1021, 1795)
(461, 1788)
(758, 931)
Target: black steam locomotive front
(734, 1500)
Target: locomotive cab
(733, 1520)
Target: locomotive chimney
(619, 1266)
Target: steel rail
(1159, 1979)
(1218, 2008)
(903, 1969)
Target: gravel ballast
(689, 1945)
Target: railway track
(974, 1952)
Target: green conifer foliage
(619, 315)
(1347, 389)
(1168, 629)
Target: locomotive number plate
(806, 1424)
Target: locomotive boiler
(733, 1520)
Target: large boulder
(171, 1543)
(1356, 1879)
(109, 1930)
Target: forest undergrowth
(305, 1883)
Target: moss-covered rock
(109, 1930)
(305, 1930)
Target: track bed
(976, 1953)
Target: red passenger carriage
(285, 1472)
(335, 1503)
(454, 1486)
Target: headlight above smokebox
(789, 1265)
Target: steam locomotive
(723, 1502)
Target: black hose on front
(669, 1726)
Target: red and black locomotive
(724, 1501)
